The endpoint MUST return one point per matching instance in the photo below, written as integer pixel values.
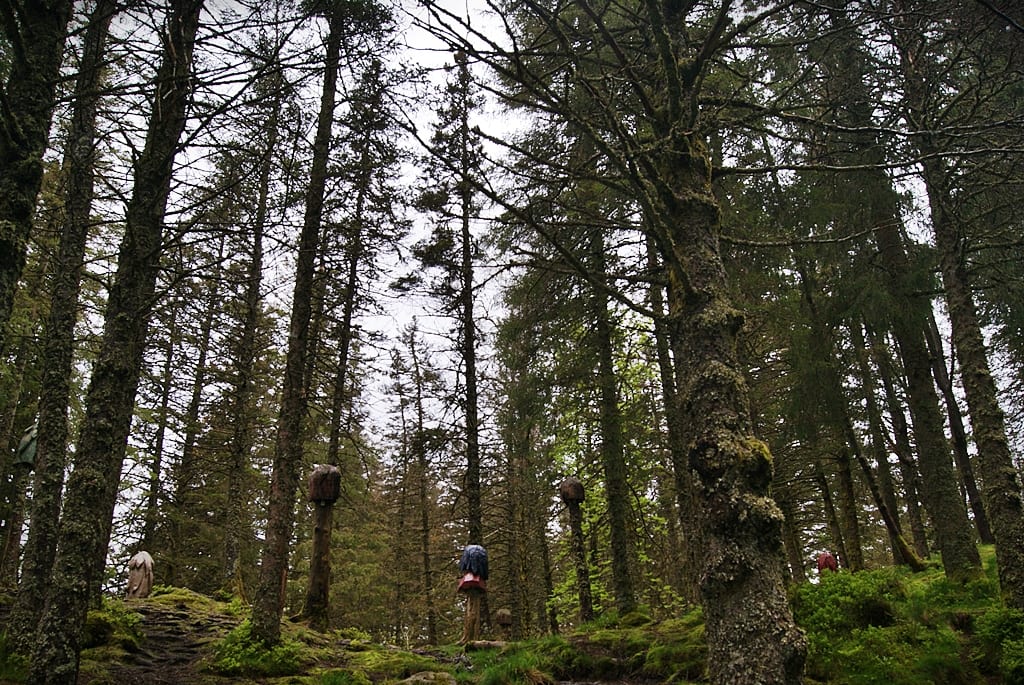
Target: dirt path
(174, 641)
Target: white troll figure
(140, 575)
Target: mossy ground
(885, 626)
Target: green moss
(183, 598)
(679, 652)
(239, 653)
(341, 676)
(113, 624)
(388, 664)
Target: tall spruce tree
(288, 449)
(455, 164)
(932, 116)
(92, 488)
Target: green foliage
(999, 646)
(341, 676)
(239, 653)
(13, 666)
(610, 649)
(521, 667)
(894, 626)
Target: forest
(656, 300)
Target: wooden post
(324, 490)
(572, 493)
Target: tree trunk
(14, 479)
(467, 324)
(878, 445)
(878, 209)
(419, 446)
(317, 603)
(750, 630)
(1001, 487)
(36, 39)
(688, 511)
(579, 557)
(243, 395)
(791, 540)
(152, 511)
(964, 465)
(92, 488)
(954, 533)
(58, 337)
(835, 530)
(185, 475)
(613, 458)
(901, 447)
(288, 449)
(1001, 484)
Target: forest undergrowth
(886, 625)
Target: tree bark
(36, 41)
(317, 604)
(902, 449)
(92, 488)
(1001, 485)
(750, 630)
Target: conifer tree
(58, 336)
(92, 488)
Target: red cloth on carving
(827, 561)
(471, 581)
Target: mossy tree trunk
(612, 448)
(750, 631)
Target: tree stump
(504, 619)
